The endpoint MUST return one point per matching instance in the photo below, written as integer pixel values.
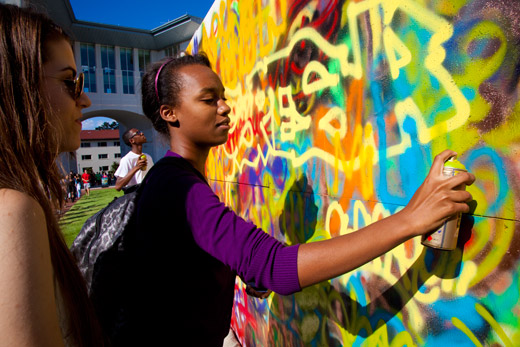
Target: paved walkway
(65, 208)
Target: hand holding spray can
(447, 235)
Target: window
(102, 156)
(102, 144)
(88, 66)
(103, 168)
(108, 64)
(117, 155)
(85, 144)
(127, 69)
(171, 51)
(117, 143)
(144, 60)
(86, 157)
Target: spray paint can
(143, 157)
(446, 236)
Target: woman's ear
(167, 113)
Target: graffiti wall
(338, 109)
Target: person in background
(43, 297)
(134, 166)
(71, 187)
(183, 235)
(104, 180)
(63, 183)
(97, 179)
(77, 179)
(86, 181)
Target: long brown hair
(30, 147)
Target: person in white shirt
(133, 166)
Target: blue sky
(142, 14)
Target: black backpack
(103, 232)
(102, 250)
(107, 230)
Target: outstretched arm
(433, 203)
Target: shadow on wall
(320, 314)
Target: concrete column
(99, 71)
(118, 73)
(137, 75)
(77, 56)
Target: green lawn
(85, 207)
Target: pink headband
(157, 78)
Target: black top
(174, 293)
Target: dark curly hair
(168, 87)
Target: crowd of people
(74, 183)
(183, 233)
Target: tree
(108, 126)
(114, 166)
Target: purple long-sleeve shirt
(256, 257)
(188, 249)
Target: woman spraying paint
(189, 246)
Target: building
(99, 150)
(113, 59)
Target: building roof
(175, 31)
(99, 135)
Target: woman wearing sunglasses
(43, 299)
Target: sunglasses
(139, 132)
(75, 86)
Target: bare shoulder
(15, 197)
(27, 293)
(19, 208)
(21, 219)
